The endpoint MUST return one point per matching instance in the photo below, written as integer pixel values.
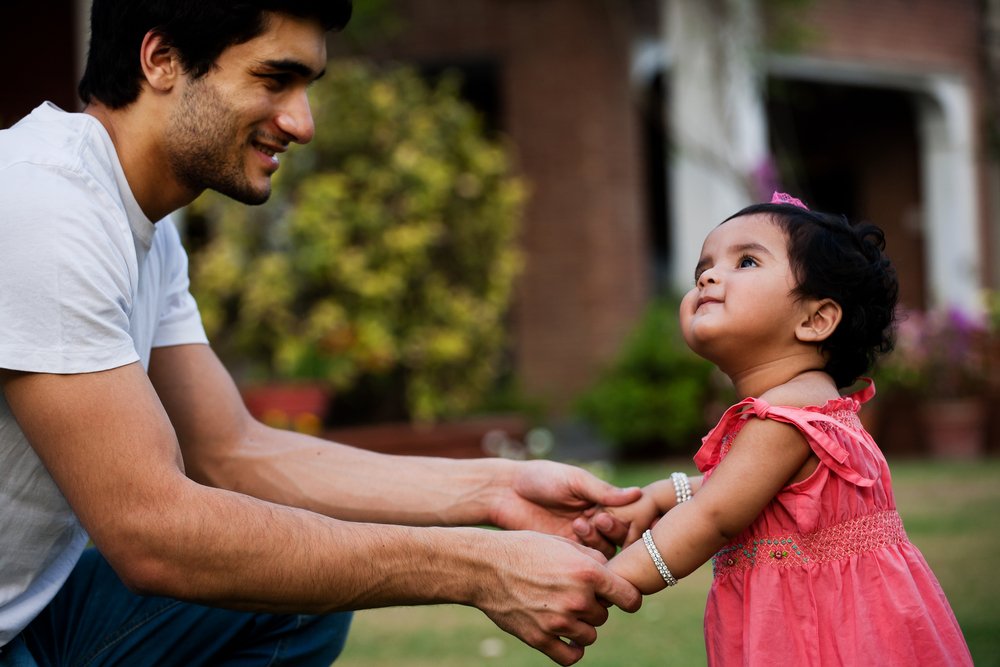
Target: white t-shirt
(87, 283)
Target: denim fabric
(95, 621)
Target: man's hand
(551, 593)
(547, 496)
(657, 499)
(637, 516)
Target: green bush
(383, 263)
(655, 397)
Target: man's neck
(134, 133)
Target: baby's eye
(746, 262)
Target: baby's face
(742, 303)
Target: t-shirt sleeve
(65, 278)
(179, 319)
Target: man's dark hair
(833, 258)
(200, 30)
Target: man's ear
(820, 321)
(160, 64)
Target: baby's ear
(820, 321)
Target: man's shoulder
(54, 145)
(54, 167)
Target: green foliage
(372, 22)
(655, 396)
(386, 255)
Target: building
(642, 123)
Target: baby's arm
(657, 499)
(764, 456)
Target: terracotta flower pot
(296, 406)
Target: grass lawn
(951, 512)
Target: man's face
(228, 127)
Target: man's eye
(276, 80)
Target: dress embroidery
(836, 542)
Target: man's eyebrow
(295, 67)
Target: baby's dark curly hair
(833, 258)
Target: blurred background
(481, 252)
(559, 162)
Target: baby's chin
(697, 336)
(710, 348)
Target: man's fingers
(588, 536)
(618, 591)
(595, 617)
(567, 647)
(611, 528)
(602, 493)
(582, 528)
(603, 532)
(562, 652)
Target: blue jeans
(95, 620)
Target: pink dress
(825, 575)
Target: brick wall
(926, 33)
(566, 106)
(929, 35)
(566, 103)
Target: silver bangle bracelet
(654, 553)
(682, 486)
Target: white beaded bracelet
(682, 486)
(654, 553)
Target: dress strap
(824, 445)
(866, 393)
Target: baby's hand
(634, 517)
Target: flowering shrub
(939, 352)
(384, 262)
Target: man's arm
(224, 446)
(109, 445)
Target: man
(119, 424)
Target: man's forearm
(222, 548)
(353, 484)
(224, 447)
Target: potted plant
(382, 266)
(940, 362)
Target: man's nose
(296, 120)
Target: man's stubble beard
(204, 148)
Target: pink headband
(782, 198)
